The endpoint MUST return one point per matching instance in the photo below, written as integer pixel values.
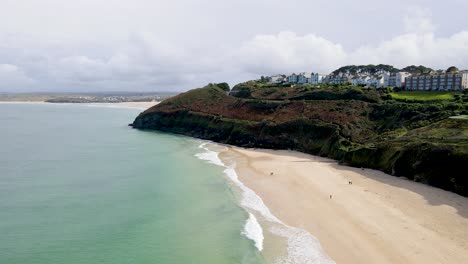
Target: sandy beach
(376, 219)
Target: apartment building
(438, 82)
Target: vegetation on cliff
(413, 69)
(356, 126)
(375, 69)
(369, 69)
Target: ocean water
(77, 185)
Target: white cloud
(419, 45)
(178, 55)
(288, 52)
(13, 79)
(412, 48)
(82, 69)
(418, 20)
(142, 62)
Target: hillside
(356, 126)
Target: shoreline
(278, 242)
(134, 105)
(377, 219)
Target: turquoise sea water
(77, 185)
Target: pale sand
(377, 219)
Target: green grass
(422, 95)
(445, 131)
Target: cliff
(358, 127)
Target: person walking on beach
(330, 196)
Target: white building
(292, 78)
(277, 79)
(316, 78)
(401, 78)
(387, 77)
(395, 79)
(337, 79)
(377, 82)
(303, 77)
(360, 80)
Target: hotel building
(438, 82)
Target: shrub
(224, 86)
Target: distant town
(116, 97)
(380, 76)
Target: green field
(422, 95)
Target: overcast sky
(156, 45)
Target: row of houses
(438, 82)
(395, 80)
(301, 78)
(428, 82)
(381, 80)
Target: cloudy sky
(162, 45)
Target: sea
(78, 185)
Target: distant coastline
(87, 97)
(135, 105)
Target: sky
(161, 45)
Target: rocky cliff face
(417, 141)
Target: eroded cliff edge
(356, 126)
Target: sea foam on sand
(303, 248)
(253, 231)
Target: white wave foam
(254, 231)
(252, 228)
(303, 248)
(210, 156)
(249, 198)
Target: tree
(417, 69)
(452, 69)
(223, 86)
